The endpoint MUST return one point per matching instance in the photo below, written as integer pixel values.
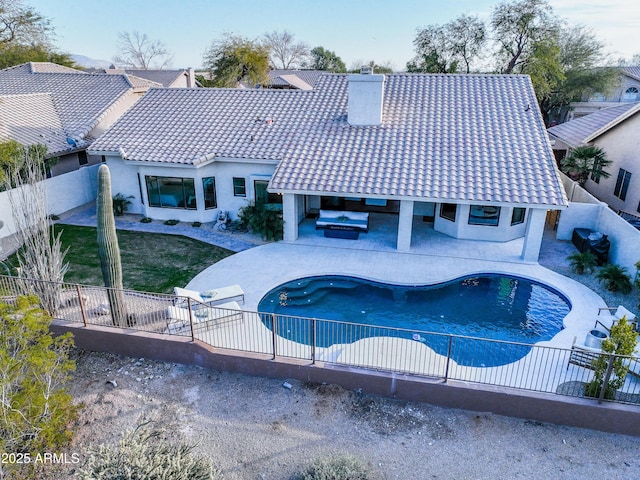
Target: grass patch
(151, 262)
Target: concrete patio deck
(263, 268)
(260, 269)
(434, 258)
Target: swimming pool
(488, 306)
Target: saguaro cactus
(108, 248)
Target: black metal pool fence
(539, 368)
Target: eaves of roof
(610, 125)
(633, 72)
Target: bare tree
(22, 25)
(41, 256)
(284, 52)
(139, 51)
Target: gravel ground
(255, 428)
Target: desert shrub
(171, 222)
(261, 220)
(196, 224)
(582, 262)
(146, 220)
(120, 204)
(615, 278)
(36, 410)
(621, 341)
(145, 454)
(337, 467)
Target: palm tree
(582, 262)
(615, 278)
(585, 161)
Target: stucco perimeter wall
(64, 192)
(586, 211)
(625, 239)
(577, 412)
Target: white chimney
(366, 94)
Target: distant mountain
(88, 62)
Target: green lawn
(151, 262)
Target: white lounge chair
(607, 317)
(209, 297)
(180, 318)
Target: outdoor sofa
(342, 224)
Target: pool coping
(261, 269)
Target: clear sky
(356, 30)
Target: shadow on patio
(382, 237)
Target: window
(262, 195)
(448, 211)
(517, 217)
(209, 187)
(140, 188)
(484, 215)
(622, 184)
(631, 94)
(171, 192)
(239, 187)
(82, 157)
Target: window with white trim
(631, 94)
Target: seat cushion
(623, 312)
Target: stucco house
(467, 153)
(615, 130)
(627, 90)
(293, 79)
(63, 108)
(180, 78)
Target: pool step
(305, 294)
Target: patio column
(405, 225)
(533, 235)
(290, 217)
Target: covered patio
(383, 237)
(513, 232)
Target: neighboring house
(293, 79)
(185, 78)
(469, 154)
(615, 130)
(62, 108)
(628, 90)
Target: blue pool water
(487, 306)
